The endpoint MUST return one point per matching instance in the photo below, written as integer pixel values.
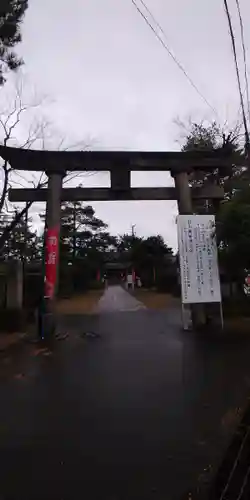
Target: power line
(238, 112)
(153, 18)
(169, 51)
(244, 56)
(237, 73)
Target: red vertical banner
(51, 260)
(98, 275)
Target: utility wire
(169, 51)
(244, 56)
(238, 75)
(153, 18)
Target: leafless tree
(23, 126)
(12, 120)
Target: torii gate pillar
(184, 193)
(51, 251)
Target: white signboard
(200, 281)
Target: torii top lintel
(177, 161)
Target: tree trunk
(5, 188)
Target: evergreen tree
(210, 138)
(149, 257)
(233, 212)
(84, 244)
(79, 228)
(11, 16)
(23, 243)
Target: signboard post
(198, 257)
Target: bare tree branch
(10, 120)
(38, 133)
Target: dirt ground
(8, 340)
(154, 300)
(238, 324)
(81, 304)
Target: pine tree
(79, 227)
(23, 244)
(11, 16)
(84, 242)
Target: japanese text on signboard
(198, 259)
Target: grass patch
(80, 304)
(154, 300)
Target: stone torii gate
(120, 164)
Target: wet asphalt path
(136, 413)
(115, 298)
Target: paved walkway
(137, 413)
(115, 298)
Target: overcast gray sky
(112, 81)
